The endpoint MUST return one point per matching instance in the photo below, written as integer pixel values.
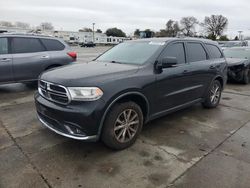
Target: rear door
(57, 51)
(5, 61)
(217, 60)
(198, 73)
(29, 57)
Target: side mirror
(167, 62)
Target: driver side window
(176, 50)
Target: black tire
(246, 76)
(212, 99)
(115, 119)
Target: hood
(88, 74)
(237, 61)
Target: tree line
(213, 26)
(23, 25)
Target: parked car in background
(230, 44)
(238, 59)
(129, 85)
(88, 44)
(23, 57)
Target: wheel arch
(134, 96)
(221, 80)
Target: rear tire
(212, 99)
(122, 126)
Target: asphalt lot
(196, 147)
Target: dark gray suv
(24, 57)
(129, 85)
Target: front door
(173, 82)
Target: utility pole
(93, 32)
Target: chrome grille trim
(47, 92)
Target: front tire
(212, 99)
(122, 126)
(246, 76)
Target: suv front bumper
(78, 120)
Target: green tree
(236, 38)
(137, 32)
(99, 31)
(223, 38)
(115, 32)
(149, 33)
(211, 37)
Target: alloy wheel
(126, 125)
(215, 93)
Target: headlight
(85, 93)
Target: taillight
(72, 54)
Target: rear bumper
(77, 120)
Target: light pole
(240, 36)
(93, 32)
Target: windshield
(237, 53)
(131, 52)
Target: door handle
(5, 59)
(212, 67)
(45, 57)
(185, 71)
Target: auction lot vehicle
(88, 44)
(132, 83)
(231, 44)
(238, 60)
(23, 57)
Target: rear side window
(176, 50)
(196, 52)
(53, 45)
(214, 51)
(26, 45)
(3, 45)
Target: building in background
(71, 37)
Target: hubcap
(126, 125)
(215, 94)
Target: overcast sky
(127, 14)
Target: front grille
(53, 92)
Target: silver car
(24, 57)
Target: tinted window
(214, 51)
(26, 45)
(196, 52)
(3, 45)
(176, 50)
(52, 45)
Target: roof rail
(27, 34)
